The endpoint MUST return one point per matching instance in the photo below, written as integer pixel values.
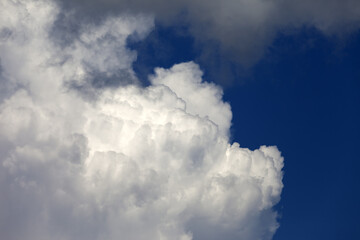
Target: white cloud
(202, 99)
(131, 163)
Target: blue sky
(302, 96)
(190, 120)
(311, 104)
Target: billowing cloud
(82, 160)
(241, 28)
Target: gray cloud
(240, 29)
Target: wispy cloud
(241, 29)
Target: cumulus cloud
(82, 160)
(242, 29)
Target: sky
(179, 120)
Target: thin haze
(240, 29)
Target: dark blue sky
(303, 96)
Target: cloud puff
(87, 161)
(241, 28)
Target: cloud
(87, 161)
(241, 29)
